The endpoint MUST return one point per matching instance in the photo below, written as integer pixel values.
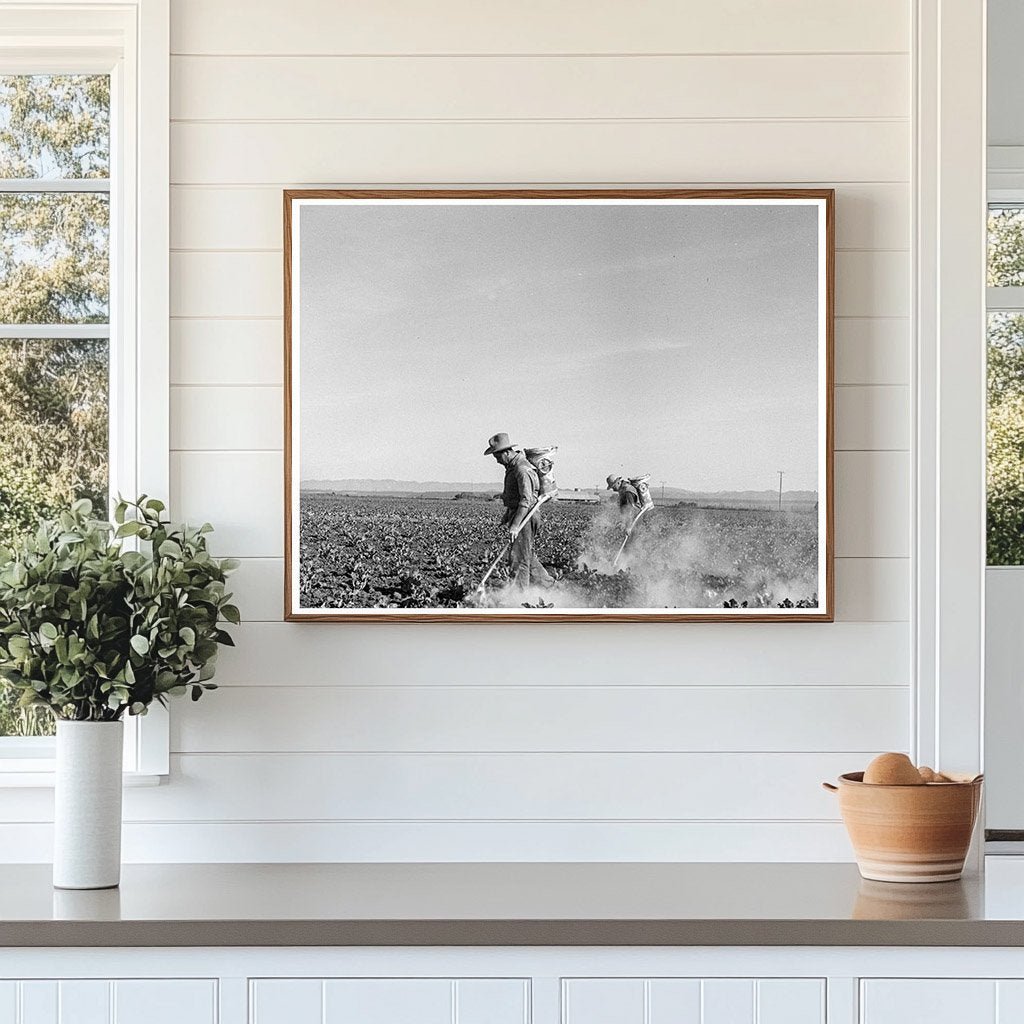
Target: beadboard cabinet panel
(931, 1001)
(693, 1001)
(389, 1001)
(102, 1001)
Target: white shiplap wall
(424, 742)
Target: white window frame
(1004, 718)
(130, 41)
(949, 376)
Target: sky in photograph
(676, 340)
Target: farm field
(391, 551)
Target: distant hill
(736, 497)
(739, 498)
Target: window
(1005, 478)
(54, 309)
(84, 124)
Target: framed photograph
(558, 405)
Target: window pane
(53, 449)
(54, 126)
(1005, 246)
(54, 258)
(1006, 439)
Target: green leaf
(231, 613)
(140, 644)
(18, 646)
(229, 564)
(170, 549)
(155, 504)
(49, 631)
(188, 634)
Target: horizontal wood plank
(872, 350)
(229, 352)
(528, 88)
(458, 842)
(874, 418)
(540, 152)
(241, 719)
(580, 654)
(872, 502)
(873, 589)
(412, 787)
(577, 26)
(873, 284)
(233, 418)
(241, 493)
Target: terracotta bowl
(909, 833)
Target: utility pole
(663, 491)
(780, 490)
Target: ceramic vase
(87, 807)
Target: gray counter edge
(510, 933)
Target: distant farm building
(587, 497)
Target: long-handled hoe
(479, 593)
(629, 532)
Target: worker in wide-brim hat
(629, 496)
(519, 495)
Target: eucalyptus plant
(98, 619)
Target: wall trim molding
(949, 446)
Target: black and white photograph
(515, 405)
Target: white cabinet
(388, 1001)
(693, 1001)
(103, 1001)
(941, 1001)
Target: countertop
(559, 904)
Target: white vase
(87, 806)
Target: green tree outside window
(54, 270)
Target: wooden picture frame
(335, 539)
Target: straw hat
(498, 443)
